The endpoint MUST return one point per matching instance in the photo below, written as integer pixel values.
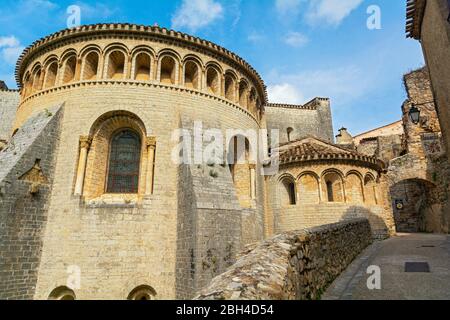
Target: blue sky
(301, 48)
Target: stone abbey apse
(92, 205)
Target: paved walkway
(391, 255)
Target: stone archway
(410, 200)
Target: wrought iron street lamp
(414, 114)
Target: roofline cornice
(415, 10)
(371, 162)
(153, 31)
(310, 105)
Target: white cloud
(10, 41)
(296, 39)
(41, 3)
(331, 12)
(288, 6)
(343, 85)
(196, 14)
(11, 55)
(10, 49)
(284, 93)
(255, 37)
(97, 11)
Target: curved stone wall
(139, 56)
(297, 265)
(152, 82)
(310, 194)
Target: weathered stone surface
(26, 173)
(294, 265)
(9, 101)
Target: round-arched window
(124, 162)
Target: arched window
(289, 134)
(354, 189)
(168, 70)
(333, 187)
(330, 193)
(288, 193)
(50, 78)
(142, 293)
(370, 190)
(27, 85)
(213, 81)
(90, 66)
(142, 67)
(191, 75)
(239, 156)
(62, 293)
(116, 65)
(124, 163)
(37, 85)
(229, 88)
(308, 189)
(252, 101)
(243, 94)
(69, 69)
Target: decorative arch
(196, 59)
(62, 293)
(289, 132)
(168, 68)
(409, 199)
(252, 101)
(89, 48)
(242, 170)
(354, 188)
(116, 64)
(230, 85)
(333, 186)
(213, 79)
(141, 68)
(109, 133)
(116, 46)
(370, 189)
(192, 73)
(36, 75)
(243, 93)
(68, 53)
(169, 52)
(27, 84)
(308, 188)
(50, 59)
(51, 73)
(91, 62)
(143, 292)
(69, 65)
(287, 190)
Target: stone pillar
(85, 144)
(151, 147)
(128, 68)
(155, 70)
(77, 75)
(253, 181)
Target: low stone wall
(297, 265)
